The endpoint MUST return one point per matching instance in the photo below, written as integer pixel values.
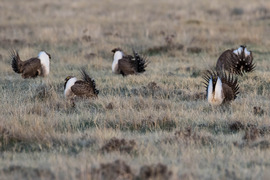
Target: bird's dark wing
(228, 93)
(132, 64)
(126, 66)
(225, 61)
(82, 89)
(31, 68)
(231, 82)
(85, 87)
(128, 57)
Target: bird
(128, 64)
(85, 88)
(221, 88)
(33, 67)
(237, 61)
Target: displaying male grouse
(33, 67)
(128, 64)
(220, 87)
(237, 61)
(85, 88)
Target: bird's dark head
(67, 79)
(116, 49)
(243, 46)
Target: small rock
(110, 106)
(258, 111)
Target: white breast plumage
(117, 55)
(69, 84)
(45, 62)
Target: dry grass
(160, 123)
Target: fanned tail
(232, 82)
(90, 80)
(141, 62)
(243, 61)
(209, 75)
(228, 79)
(16, 62)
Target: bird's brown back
(83, 89)
(31, 68)
(126, 66)
(225, 61)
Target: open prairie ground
(157, 125)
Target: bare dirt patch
(120, 170)
(155, 171)
(121, 145)
(28, 172)
(115, 170)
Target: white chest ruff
(45, 70)
(215, 98)
(238, 51)
(247, 53)
(45, 63)
(69, 84)
(117, 56)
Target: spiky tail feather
(141, 62)
(243, 63)
(16, 61)
(209, 75)
(228, 79)
(232, 82)
(91, 81)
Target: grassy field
(154, 125)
